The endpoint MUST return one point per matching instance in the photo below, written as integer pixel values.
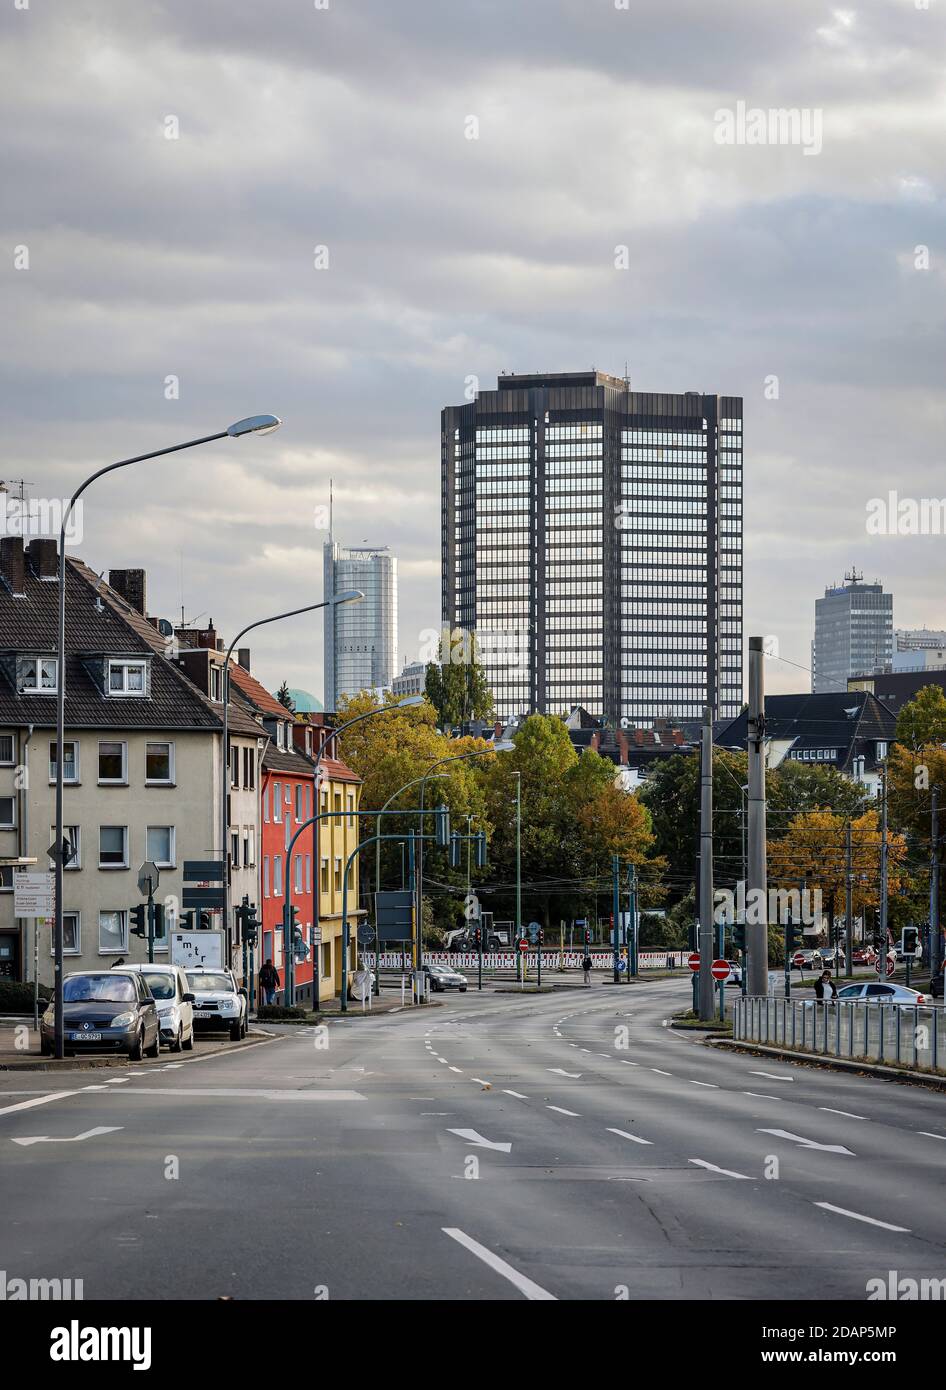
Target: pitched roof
(280, 760)
(255, 694)
(837, 719)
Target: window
(881, 751)
(277, 802)
(338, 875)
(38, 676)
(280, 734)
(72, 834)
(249, 847)
(160, 845)
(113, 932)
(308, 873)
(299, 795)
(326, 959)
(70, 763)
(113, 846)
(6, 878)
(234, 766)
(235, 849)
(70, 935)
(277, 876)
(323, 882)
(265, 875)
(249, 767)
(298, 887)
(7, 750)
(7, 812)
(336, 819)
(266, 805)
(113, 761)
(351, 809)
(215, 682)
(159, 763)
(127, 678)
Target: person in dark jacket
(586, 967)
(825, 991)
(269, 982)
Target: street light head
(255, 424)
(504, 745)
(347, 596)
(411, 700)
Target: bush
(16, 997)
(274, 1012)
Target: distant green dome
(305, 703)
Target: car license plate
(86, 1037)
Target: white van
(175, 1003)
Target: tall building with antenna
(853, 632)
(360, 638)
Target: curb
(819, 1059)
(51, 1064)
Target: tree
(284, 698)
(922, 721)
(456, 685)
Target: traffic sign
(798, 958)
(365, 934)
(148, 879)
(34, 894)
(889, 962)
(721, 969)
(693, 961)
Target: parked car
(808, 960)
(828, 954)
(175, 1002)
(864, 955)
(105, 1011)
(735, 973)
(880, 993)
(219, 1002)
(442, 977)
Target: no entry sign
(693, 961)
(721, 970)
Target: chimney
(131, 584)
(243, 657)
(43, 555)
(13, 565)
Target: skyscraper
(592, 539)
(853, 632)
(360, 638)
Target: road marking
(627, 1063)
(456, 1069)
(847, 1113)
(634, 1138)
(807, 1143)
(929, 1135)
(69, 1138)
(856, 1216)
(560, 1071)
(472, 1136)
(711, 1084)
(530, 1290)
(443, 1061)
(564, 1112)
(727, 1172)
(480, 1080)
(40, 1100)
(659, 1072)
(241, 1093)
(772, 1076)
(517, 1094)
(757, 1095)
(117, 1080)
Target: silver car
(881, 993)
(219, 1002)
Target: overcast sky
(347, 127)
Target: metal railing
(897, 1034)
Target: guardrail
(898, 1034)
(506, 960)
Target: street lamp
(253, 424)
(346, 596)
(377, 869)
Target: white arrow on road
(69, 1138)
(560, 1071)
(808, 1143)
(472, 1137)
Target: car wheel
(236, 1031)
(178, 1044)
(136, 1051)
(188, 1042)
(463, 989)
(155, 1048)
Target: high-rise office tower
(592, 539)
(360, 638)
(853, 632)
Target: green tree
(456, 685)
(284, 698)
(922, 720)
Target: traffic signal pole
(615, 912)
(757, 931)
(935, 952)
(706, 999)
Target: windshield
(210, 982)
(106, 989)
(162, 986)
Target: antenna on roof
(852, 576)
(331, 505)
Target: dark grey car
(104, 1011)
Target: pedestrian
(586, 967)
(269, 982)
(825, 991)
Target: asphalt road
(567, 1146)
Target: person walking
(825, 991)
(586, 967)
(269, 982)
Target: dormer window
(280, 734)
(127, 678)
(38, 675)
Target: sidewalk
(19, 1050)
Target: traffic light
(442, 826)
(477, 938)
(587, 936)
(739, 936)
(693, 930)
(540, 937)
(139, 919)
(791, 937)
(908, 940)
(249, 923)
(454, 851)
(479, 849)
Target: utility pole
(935, 957)
(848, 903)
(706, 868)
(883, 861)
(615, 913)
(757, 931)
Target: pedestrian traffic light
(479, 849)
(739, 936)
(693, 936)
(908, 940)
(442, 826)
(139, 919)
(454, 851)
(476, 937)
(587, 936)
(540, 936)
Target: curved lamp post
(377, 866)
(253, 424)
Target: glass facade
(592, 539)
(853, 633)
(360, 638)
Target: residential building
(411, 681)
(360, 638)
(917, 638)
(897, 688)
(848, 730)
(853, 632)
(592, 540)
(140, 757)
